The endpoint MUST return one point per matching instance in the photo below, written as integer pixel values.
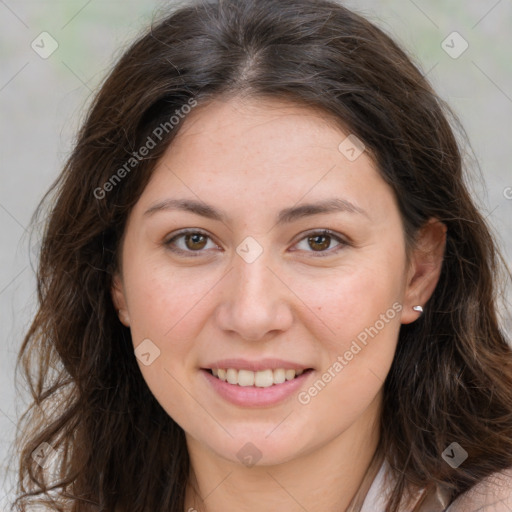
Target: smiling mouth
(259, 379)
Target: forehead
(250, 120)
(257, 134)
(252, 153)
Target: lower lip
(250, 396)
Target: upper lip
(255, 366)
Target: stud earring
(419, 309)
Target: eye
(193, 241)
(321, 240)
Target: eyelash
(317, 254)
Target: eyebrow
(286, 215)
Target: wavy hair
(113, 446)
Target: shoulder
(494, 494)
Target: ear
(119, 300)
(424, 268)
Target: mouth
(259, 379)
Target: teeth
(245, 378)
(261, 379)
(279, 376)
(232, 376)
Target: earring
(419, 309)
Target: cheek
(165, 307)
(358, 310)
(362, 310)
(353, 298)
(163, 300)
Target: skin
(252, 159)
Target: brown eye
(195, 241)
(189, 242)
(319, 242)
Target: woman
(264, 285)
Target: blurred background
(54, 53)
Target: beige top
(494, 494)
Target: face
(266, 284)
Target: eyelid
(343, 241)
(187, 231)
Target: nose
(255, 300)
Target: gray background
(42, 102)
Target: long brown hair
(114, 446)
